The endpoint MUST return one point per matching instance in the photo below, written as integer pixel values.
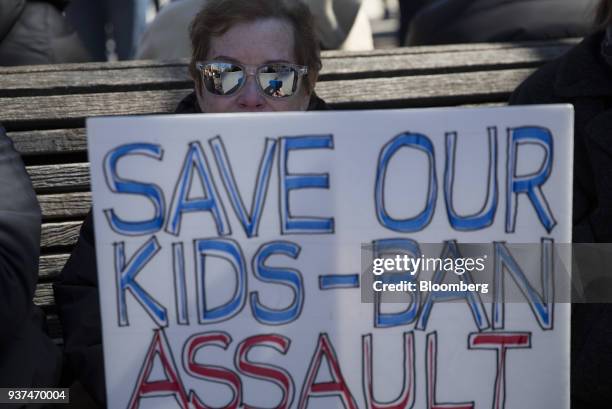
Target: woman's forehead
(255, 42)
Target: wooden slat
(60, 108)
(166, 77)
(89, 66)
(420, 90)
(424, 90)
(64, 205)
(43, 296)
(71, 176)
(49, 142)
(50, 265)
(455, 48)
(59, 234)
(103, 80)
(394, 65)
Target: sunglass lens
(277, 80)
(222, 78)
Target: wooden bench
(44, 108)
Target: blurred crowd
(65, 31)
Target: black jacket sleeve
(76, 295)
(28, 357)
(19, 240)
(9, 13)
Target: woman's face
(253, 44)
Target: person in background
(471, 21)
(583, 78)
(238, 48)
(96, 21)
(408, 9)
(340, 24)
(28, 357)
(36, 32)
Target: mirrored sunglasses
(276, 80)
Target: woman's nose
(250, 98)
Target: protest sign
(229, 251)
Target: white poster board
(229, 254)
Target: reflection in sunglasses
(231, 81)
(274, 80)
